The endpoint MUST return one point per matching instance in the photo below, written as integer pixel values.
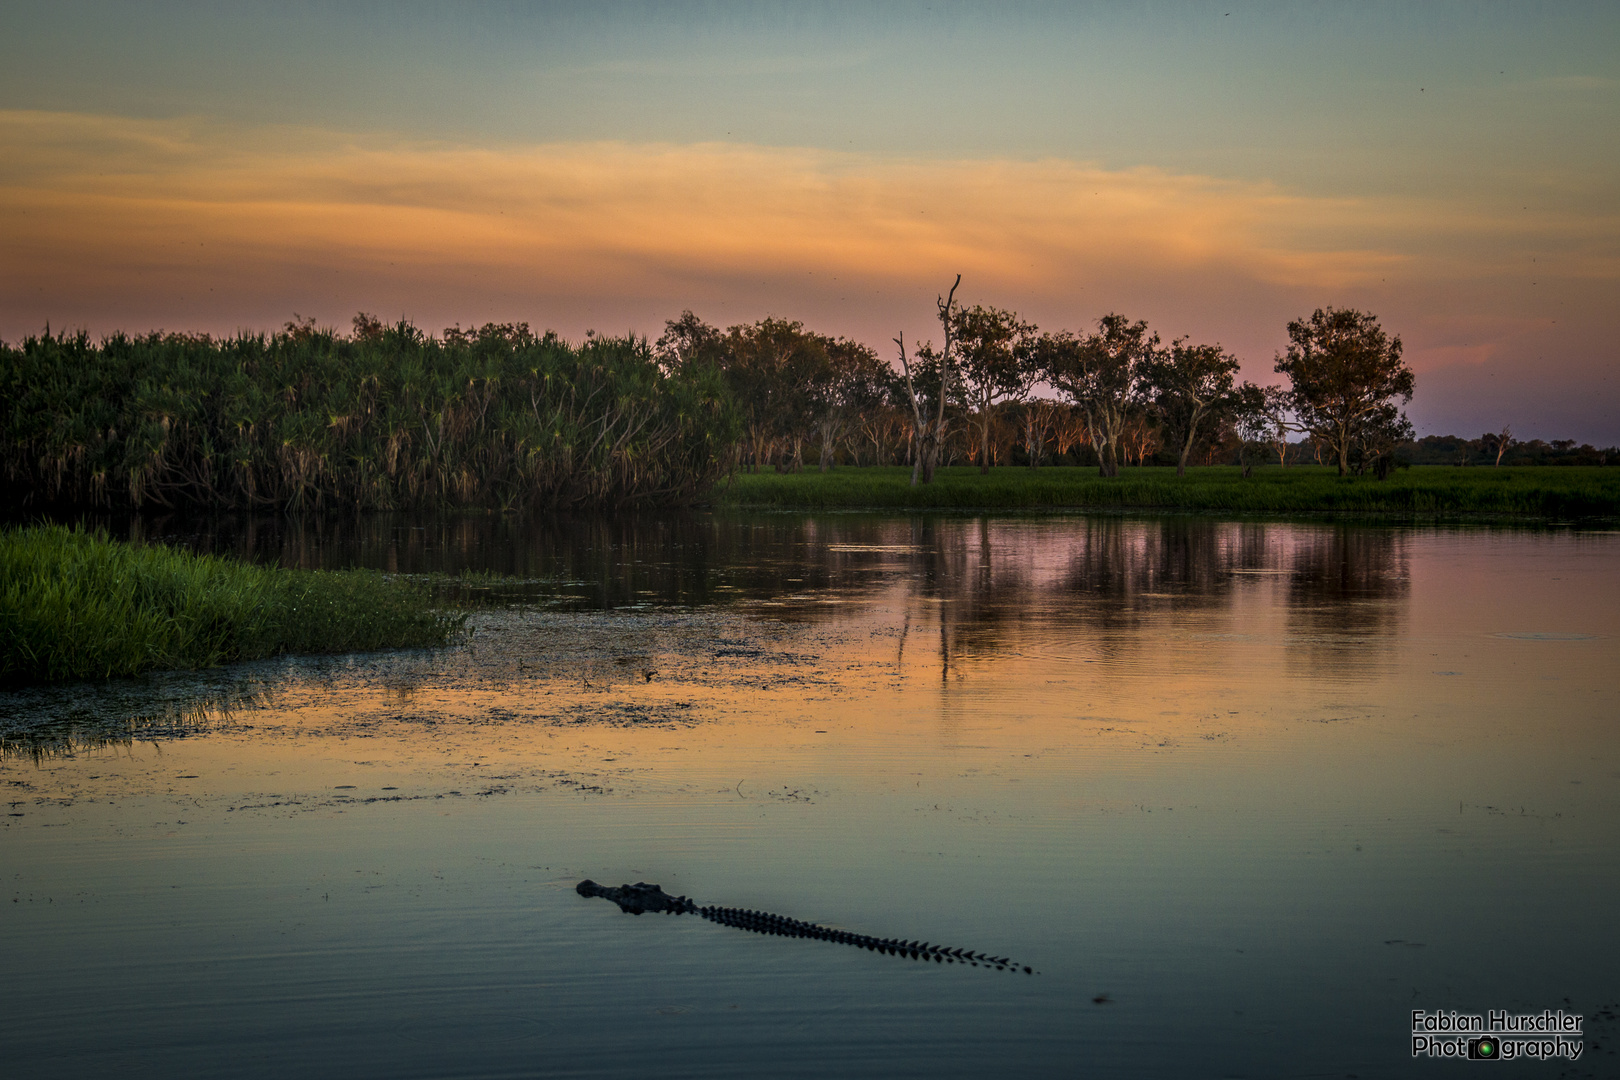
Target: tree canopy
(1190, 387)
(994, 350)
(1104, 373)
(1346, 375)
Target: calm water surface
(1243, 795)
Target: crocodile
(641, 897)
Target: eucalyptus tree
(993, 347)
(1279, 414)
(927, 400)
(1104, 373)
(1497, 443)
(689, 342)
(1250, 414)
(853, 379)
(1190, 385)
(1040, 417)
(1346, 376)
(774, 368)
(878, 403)
(1069, 428)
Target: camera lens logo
(1484, 1048)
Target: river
(1242, 796)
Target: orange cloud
(109, 222)
(96, 197)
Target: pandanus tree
(385, 419)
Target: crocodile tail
(765, 922)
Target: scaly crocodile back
(642, 897)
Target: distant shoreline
(1433, 492)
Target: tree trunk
(930, 433)
(927, 455)
(1108, 453)
(1186, 447)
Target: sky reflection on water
(1240, 792)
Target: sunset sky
(1216, 169)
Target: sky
(1216, 169)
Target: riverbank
(1542, 492)
(77, 605)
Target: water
(1242, 795)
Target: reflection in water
(1346, 595)
(1081, 589)
(60, 722)
(1346, 584)
(969, 590)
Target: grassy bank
(77, 605)
(1422, 492)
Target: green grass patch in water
(77, 605)
(1421, 492)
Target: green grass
(1423, 492)
(77, 605)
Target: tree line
(997, 387)
(384, 418)
(387, 417)
(1501, 448)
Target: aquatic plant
(79, 605)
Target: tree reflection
(987, 586)
(1347, 598)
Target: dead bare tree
(931, 433)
